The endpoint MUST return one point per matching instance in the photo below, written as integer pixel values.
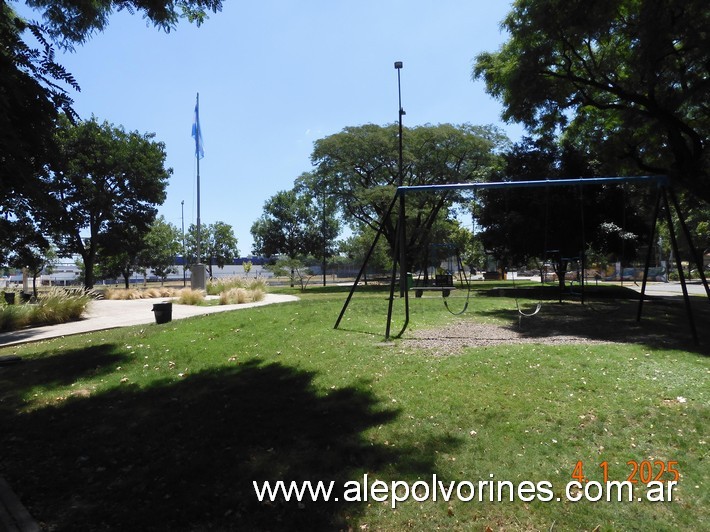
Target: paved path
(669, 289)
(653, 288)
(108, 314)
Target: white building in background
(63, 274)
(68, 273)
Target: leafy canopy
(627, 79)
(218, 245)
(288, 226)
(360, 168)
(109, 180)
(74, 21)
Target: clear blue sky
(276, 75)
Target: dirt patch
(452, 339)
(555, 325)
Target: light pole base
(198, 277)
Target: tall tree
(356, 246)
(361, 168)
(625, 78)
(119, 251)
(29, 249)
(288, 226)
(109, 180)
(317, 191)
(218, 245)
(162, 246)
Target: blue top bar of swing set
(658, 179)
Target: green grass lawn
(165, 427)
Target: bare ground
(557, 324)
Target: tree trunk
(561, 270)
(88, 272)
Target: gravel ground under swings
(555, 324)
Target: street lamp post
(398, 65)
(402, 235)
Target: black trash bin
(9, 298)
(163, 312)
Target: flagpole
(197, 278)
(197, 156)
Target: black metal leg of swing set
(581, 280)
(663, 194)
(679, 265)
(696, 256)
(648, 255)
(584, 248)
(393, 278)
(367, 259)
(399, 251)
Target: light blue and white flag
(197, 131)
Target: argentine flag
(197, 131)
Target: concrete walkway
(695, 288)
(109, 314)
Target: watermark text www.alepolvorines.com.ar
(397, 491)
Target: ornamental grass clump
(137, 293)
(188, 296)
(59, 306)
(233, 296)
(238, 296)
(13, 317)
(54, 306)
(223, 284)
(257, 285)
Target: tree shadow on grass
(183, 456)
(54, 370)
(664, 322)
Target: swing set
(664, 193)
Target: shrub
(258, 285)
(13, 317)
(54, 306)
(257, 294)
(238, 296)
(188, 296)
(224, 284)
(137, 293)
(230, 297)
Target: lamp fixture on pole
(398, 65)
